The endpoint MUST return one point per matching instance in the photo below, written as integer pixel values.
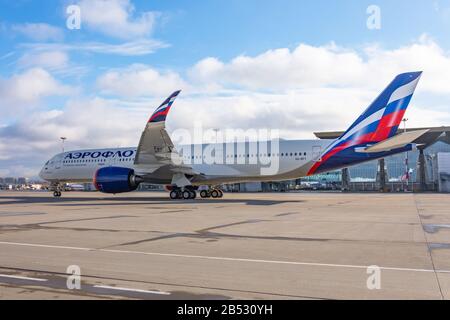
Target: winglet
(161, 112)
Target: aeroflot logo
(98, 154)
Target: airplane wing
(156, 150)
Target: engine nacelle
(116, 180)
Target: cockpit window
(47, 163)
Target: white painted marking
(21, 278)
(374, 117)
(132, 290)
(173, 255)
(46, 246)
(404, 91)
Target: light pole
(63, 139)
(216, 130)
(406, 158)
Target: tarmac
(245, 246)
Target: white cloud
(27, 88)
(80, 121)
(18, 171)
(328, 66)
(48, 59)
(298, 91)
(116, 18)
(425, 55)
(281, 69)
(57, 62)
(87, 123)
(39, 31)
(140, 80)
(132, 48)
(296, 113)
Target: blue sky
(237, 61)
(225, 29)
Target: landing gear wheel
(193, 194)
(204, 194)
(215, 194)
(187, 195)
(57, 194)
(220, 193)
(174, 195)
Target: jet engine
(116, 180)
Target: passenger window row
(95, 160)
(296, 154)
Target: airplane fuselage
(230, 163)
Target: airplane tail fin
(380, 121)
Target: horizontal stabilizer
(396, 142)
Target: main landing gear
(186, 194)
(212, 193)
(190, 194)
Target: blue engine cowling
(115, 180)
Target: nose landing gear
(57, 190)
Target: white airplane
(156, 160)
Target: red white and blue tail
(162, 111)
(377, 123)
(382, 119)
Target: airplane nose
(42, 174)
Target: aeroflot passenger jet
(156, 160)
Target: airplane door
(111, 162)
(317, 153)
(58, 163)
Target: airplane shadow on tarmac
(122, 201)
